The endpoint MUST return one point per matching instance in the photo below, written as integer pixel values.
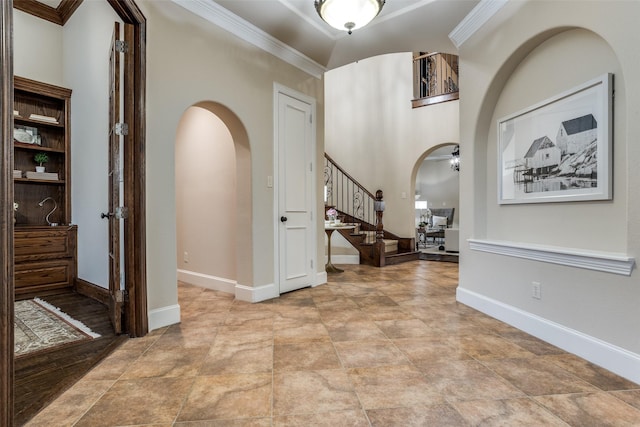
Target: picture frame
(560, 149)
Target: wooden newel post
(378, 246)
(378, 207)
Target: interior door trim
(135, 226)
(136, 315)
(6, 216)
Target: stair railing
(435, 78)
(346, 195)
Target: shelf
(24, 121)
(34, 100)
(38, 181)
(36, 147)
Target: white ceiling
(402, 26)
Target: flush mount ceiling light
(348, 14)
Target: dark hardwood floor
(42, 376)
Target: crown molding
(591, 260)
(479, 16)
(217, 15)
(57, 15)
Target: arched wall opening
(213, 198)
(522, 62)
(435, 182)
(524, 80)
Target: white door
(295, 148)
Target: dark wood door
(115, 172)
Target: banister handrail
(348, 196)
(348, 176)
(425, 55)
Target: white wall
(205, 200)
(76, 56)
(86, 47)
(373, 133)
(37, 49)
(531, 51)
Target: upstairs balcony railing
(435, 78)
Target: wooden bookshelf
(41, 99)
(45, 256)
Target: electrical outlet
(185, 256)
(536, 290)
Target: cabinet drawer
(44, 243)
(44, 275)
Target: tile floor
(373, 347)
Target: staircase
(376, 246)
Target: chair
(447, 213)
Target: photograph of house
(542, 158)
(570, 163)
(576, 134)
(571, 159)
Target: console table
(329, 229)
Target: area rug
(39, 326)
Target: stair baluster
(359, 206)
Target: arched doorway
(213, 198)
(437, 191)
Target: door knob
(283, 219)
(106, 215)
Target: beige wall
(571, 51)
(188, 61)
(531, 51)
(373, 133)
(206, 195)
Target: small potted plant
(40, 158)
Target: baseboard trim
(256, 294)
(92, 291)
(207, 281)
(343, 259)
(321, 279)
(601, 353)
(164, 316)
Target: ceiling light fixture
(348, 14)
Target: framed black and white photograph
(559, 150)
